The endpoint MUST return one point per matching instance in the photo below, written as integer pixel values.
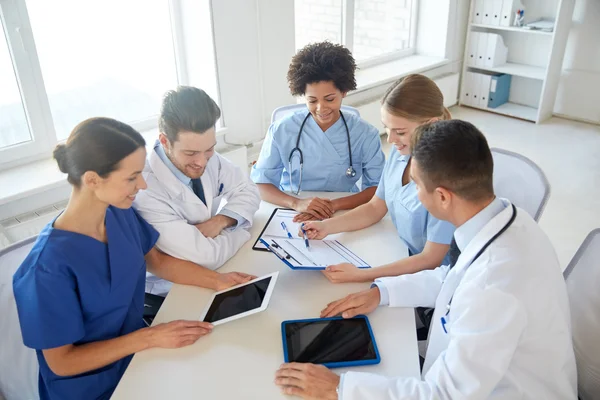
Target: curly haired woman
(323, 73)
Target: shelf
(526, 71)
(513, 29)
(512, 110)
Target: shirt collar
(467, 231)
(160, 152)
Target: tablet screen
(238, 300)
(329, 341)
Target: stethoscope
(500, 232)
(350, 172)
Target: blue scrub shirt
(415, 225)
(326, 157)
(73, 289)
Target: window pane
(111, 58)
(381, 27)
(14, 128)
(318, 20)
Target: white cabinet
(533, 58)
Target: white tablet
(240, 301)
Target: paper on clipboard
(274, 228)
(319, 255)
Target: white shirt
(508, 327)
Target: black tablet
(333, 342)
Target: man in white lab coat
(200, 202)
(500, 328)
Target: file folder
(496, 11)
(499, 90)
(478, 12)
(496, 51)
(472, 48)
(482, 49)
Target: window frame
(347, 35)
(28, 73)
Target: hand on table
(354, 304)
(317, 207)
(230, 279)
(345, 272)
(175, 334)
(307, 381)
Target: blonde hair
(416, 98)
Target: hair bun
(61, 157)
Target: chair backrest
(18, 364)
(284, 111)
(583, 280)
(521, 181)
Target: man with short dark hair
(501, 325)
(201, 204)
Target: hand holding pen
(304, 236)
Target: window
(13, 122)
(374, 30)
(64, 61)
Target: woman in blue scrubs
(323, 73)
(408, 103)
(80, 291)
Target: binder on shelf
(496, 11)
(478, 11)
(484, 84)
(496, 51)
(465, 93)
(488, 12)
(481, 49)
(499, 90)
(472, 48)
(473, 80)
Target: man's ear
(164, 141)
(444, 196)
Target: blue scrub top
(414, 223)
(326, 157)
(73, 289)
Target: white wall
(579, 89)
(254, 42)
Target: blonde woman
(407, 104)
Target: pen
(220, 189)
(286, 229)
(304, 236)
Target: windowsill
(388, 72)
(40, 176)
(37, 177)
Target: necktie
(453, 253)
(198, 189)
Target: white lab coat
(508, 328)
(173, 209)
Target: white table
(238, 360)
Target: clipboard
(322, 253)
(258, 245)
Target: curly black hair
(322, 61)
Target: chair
(18, 364)
(584, 297)
(521, 181)
(284, 111)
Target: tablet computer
(333, 342)
(240, 301)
